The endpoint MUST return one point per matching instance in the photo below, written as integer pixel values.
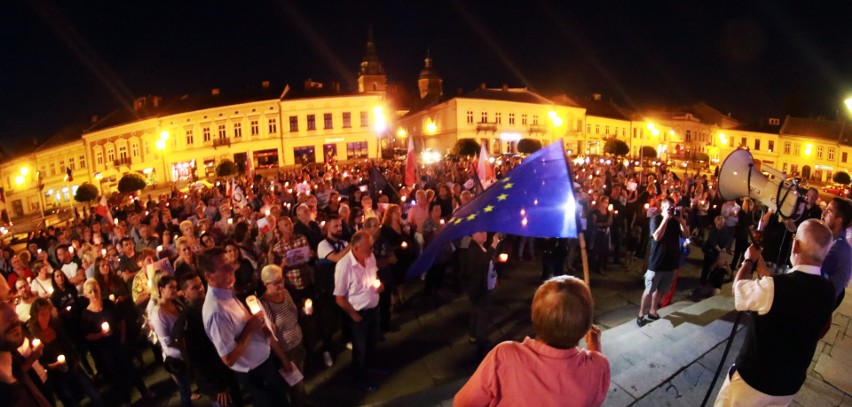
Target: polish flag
(410, 165)
(485, 171)
(103, 210)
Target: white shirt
(225, 317)
(71, 270)
(325, 248)
(354, 282)
(163, 324)
(41, 288)
(757, 295)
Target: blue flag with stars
(535, 199)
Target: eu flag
(535, 199)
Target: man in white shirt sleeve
(789, 315)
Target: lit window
(312, 122)
(326, 121)
(255, 130)
(238, 130)
(273, 125)
(347, 120)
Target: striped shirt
(284, 316)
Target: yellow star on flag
(488, 208)
(471, 216)
(457, 221)
(508, 185)
(502, 197)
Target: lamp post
(21, 179)
(161, 147)
(380, 125)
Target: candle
(159, 248)
(60, 359)
(115, 221)
(404, 245)
(49, 290)
(105, 327)
(253, 305)
(68, 308)
(35, 342)
(443, 221)
(267, 212)
(609, 208)
(71, 249)
(402, 198)
(112, 297)
(377, 283)
(647, 206)
(230, 221)
(309, 307)
(103, 252)
(503, 257)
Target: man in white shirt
(240, 338)
(71, 269)
(356, 290)
(790, 313)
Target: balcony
(122, 161)
(538, 128)
(486, 127)
(222, 142)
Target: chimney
(337, 86)
(596, 97)
(214, 91)
(482, 86)
(155, 100)
(505, 87)
(264, 84)
(94, 118)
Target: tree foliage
(86, 193)
(702, 157)
(528, 145)
(841, 177)
(616, 147)
(466, 146)
(226, 168)
(648, 152)
(131, 182)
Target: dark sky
(65, 61)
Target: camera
(676, 212)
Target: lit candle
(377, 283)
(105, 327)
(609, 208)
(309, 307)
(402, 198)
(503, 257)
(253, 305)
(159, 248)
(267, 212)
(404, 245)
(68, 308)
(103, 252)
(647, 206)
(322, 224)
(443, 221)
(112, 297)
(49, 290)
(60, 359)
(71, 249)
(35, 342)
(115, 221)
(230, 221)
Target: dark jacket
(477, 265)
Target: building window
(606, 130)
(689, 135)
(787, 147)
(326, 121)
(190, 138)
(774, 122)
(819, 152)
(52, 169)
(524, 119)
(356, 150)
(222, 132)
(498, 118)
(294, 124)
(511, 118)
(470, 117)
(61, 166)
(798, 149)
(238, 130)
(82, 161)
(597, 129)
(347, 120)
(206, 134)
(71, 163)
(634, 133)
(757, 144)
(744, 142)
(844, 156)
(110, 155)
(312, 122)
(273, 125)
(784, 167)
(535, 120)
(255, 130)
(134, 150)
(771, 145)
(483, 117)
(122, 153)
(831, 154)
(365, 119)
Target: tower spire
(371, 77)
(429, 82)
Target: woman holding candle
(59, 358)
(41, 285)
(184, 263)
(162, 318)
(282, 312)
(246, 279)
(104, 332)
(393, 232)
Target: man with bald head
(789, 313)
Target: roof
(315, 90)
(67, 135)
(153, 106)
(762, 127)
(818, 128)
(601, 108)
(519, 95)
(428, 71)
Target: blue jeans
(365, 336)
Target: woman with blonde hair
(399, 240)
(283, 314)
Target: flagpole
(583, 255)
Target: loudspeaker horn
(740, 177)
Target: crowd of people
(234, 287)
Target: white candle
(60, 359)
(112, 297)
(49, 290)
(103, 252)
(68, 308)
(35, 342)
(503, 257)
(159, 248)
(402, 198)
(71, 249)
(404, 245)
(309, 307)
(105, 327)
(647, 206)
(230, 221)
(377, 283)
(609, 208)
(442, 221)
(252, 303)
(267, 212)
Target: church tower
(430, 82)
(372, 78)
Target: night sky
(64, 62)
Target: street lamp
(161, 147)
(380, 125)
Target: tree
(466, 146)
(841, 177)
(616, 147)
(131, 182)
(648, 152)
(86, 193)
(702, 157)
(528, 145)
(226, 168)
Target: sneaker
(349, 345)
(326, 357)
(641, 321)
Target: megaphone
(741, 177)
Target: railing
(122, 161)
(220, 142)
(538, 128)
(486, 127)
